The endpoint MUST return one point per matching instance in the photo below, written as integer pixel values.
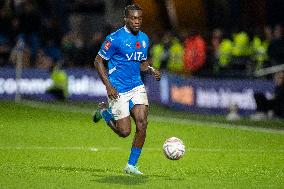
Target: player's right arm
(108, 49)
(100, 66)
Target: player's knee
(141, 123)
(124, 133)
(141, 126)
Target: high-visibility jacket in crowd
(225, 52)
(194, 53)
(60, 80)
(259, 51)
(241, 45)
(156, 54)
(175, 63)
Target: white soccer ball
(173, 148)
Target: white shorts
(120, 107)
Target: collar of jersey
(128, 31)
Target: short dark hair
(131, 7)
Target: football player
(125, 53)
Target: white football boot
(130, 169)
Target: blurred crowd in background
(218, 53)
(44, 38)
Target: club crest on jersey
(107, 45)
(143, 44)
(137, 45)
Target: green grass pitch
(57, 146)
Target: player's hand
(157, 74)
(112, 93)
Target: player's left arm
(146, 66)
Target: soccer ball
(173, 148)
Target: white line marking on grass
(53, 148)
(235, 150)
(224, 150)
(46, 148)
(112, 149)
(163, 119)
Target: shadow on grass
(134, 179)
(111, 179)
(123, 179)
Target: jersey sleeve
(147, 41)
(108, 47)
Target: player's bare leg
(140, 114)
(121, 127)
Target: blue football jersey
(124, 53)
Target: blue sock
(107, 115)
(134, 155)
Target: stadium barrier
(188, 94)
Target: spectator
(48, 55)
(166, 40)
(276, 104)
(224, 56)
(79, 57)
(216, 39)
(94, 47)
(74, 48)
(175, 60)
(259, 46)
(241, 53)
(156, 52)
(29, 23)
(213, 50)
(59, 87)
(194, 52)
(240, 45)
(20, 53)
(268, 35)
(15, 29)
(168, 54)
(4, 50)
(160, 52)
(43, 61)
(68, 46)
(276, 47)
